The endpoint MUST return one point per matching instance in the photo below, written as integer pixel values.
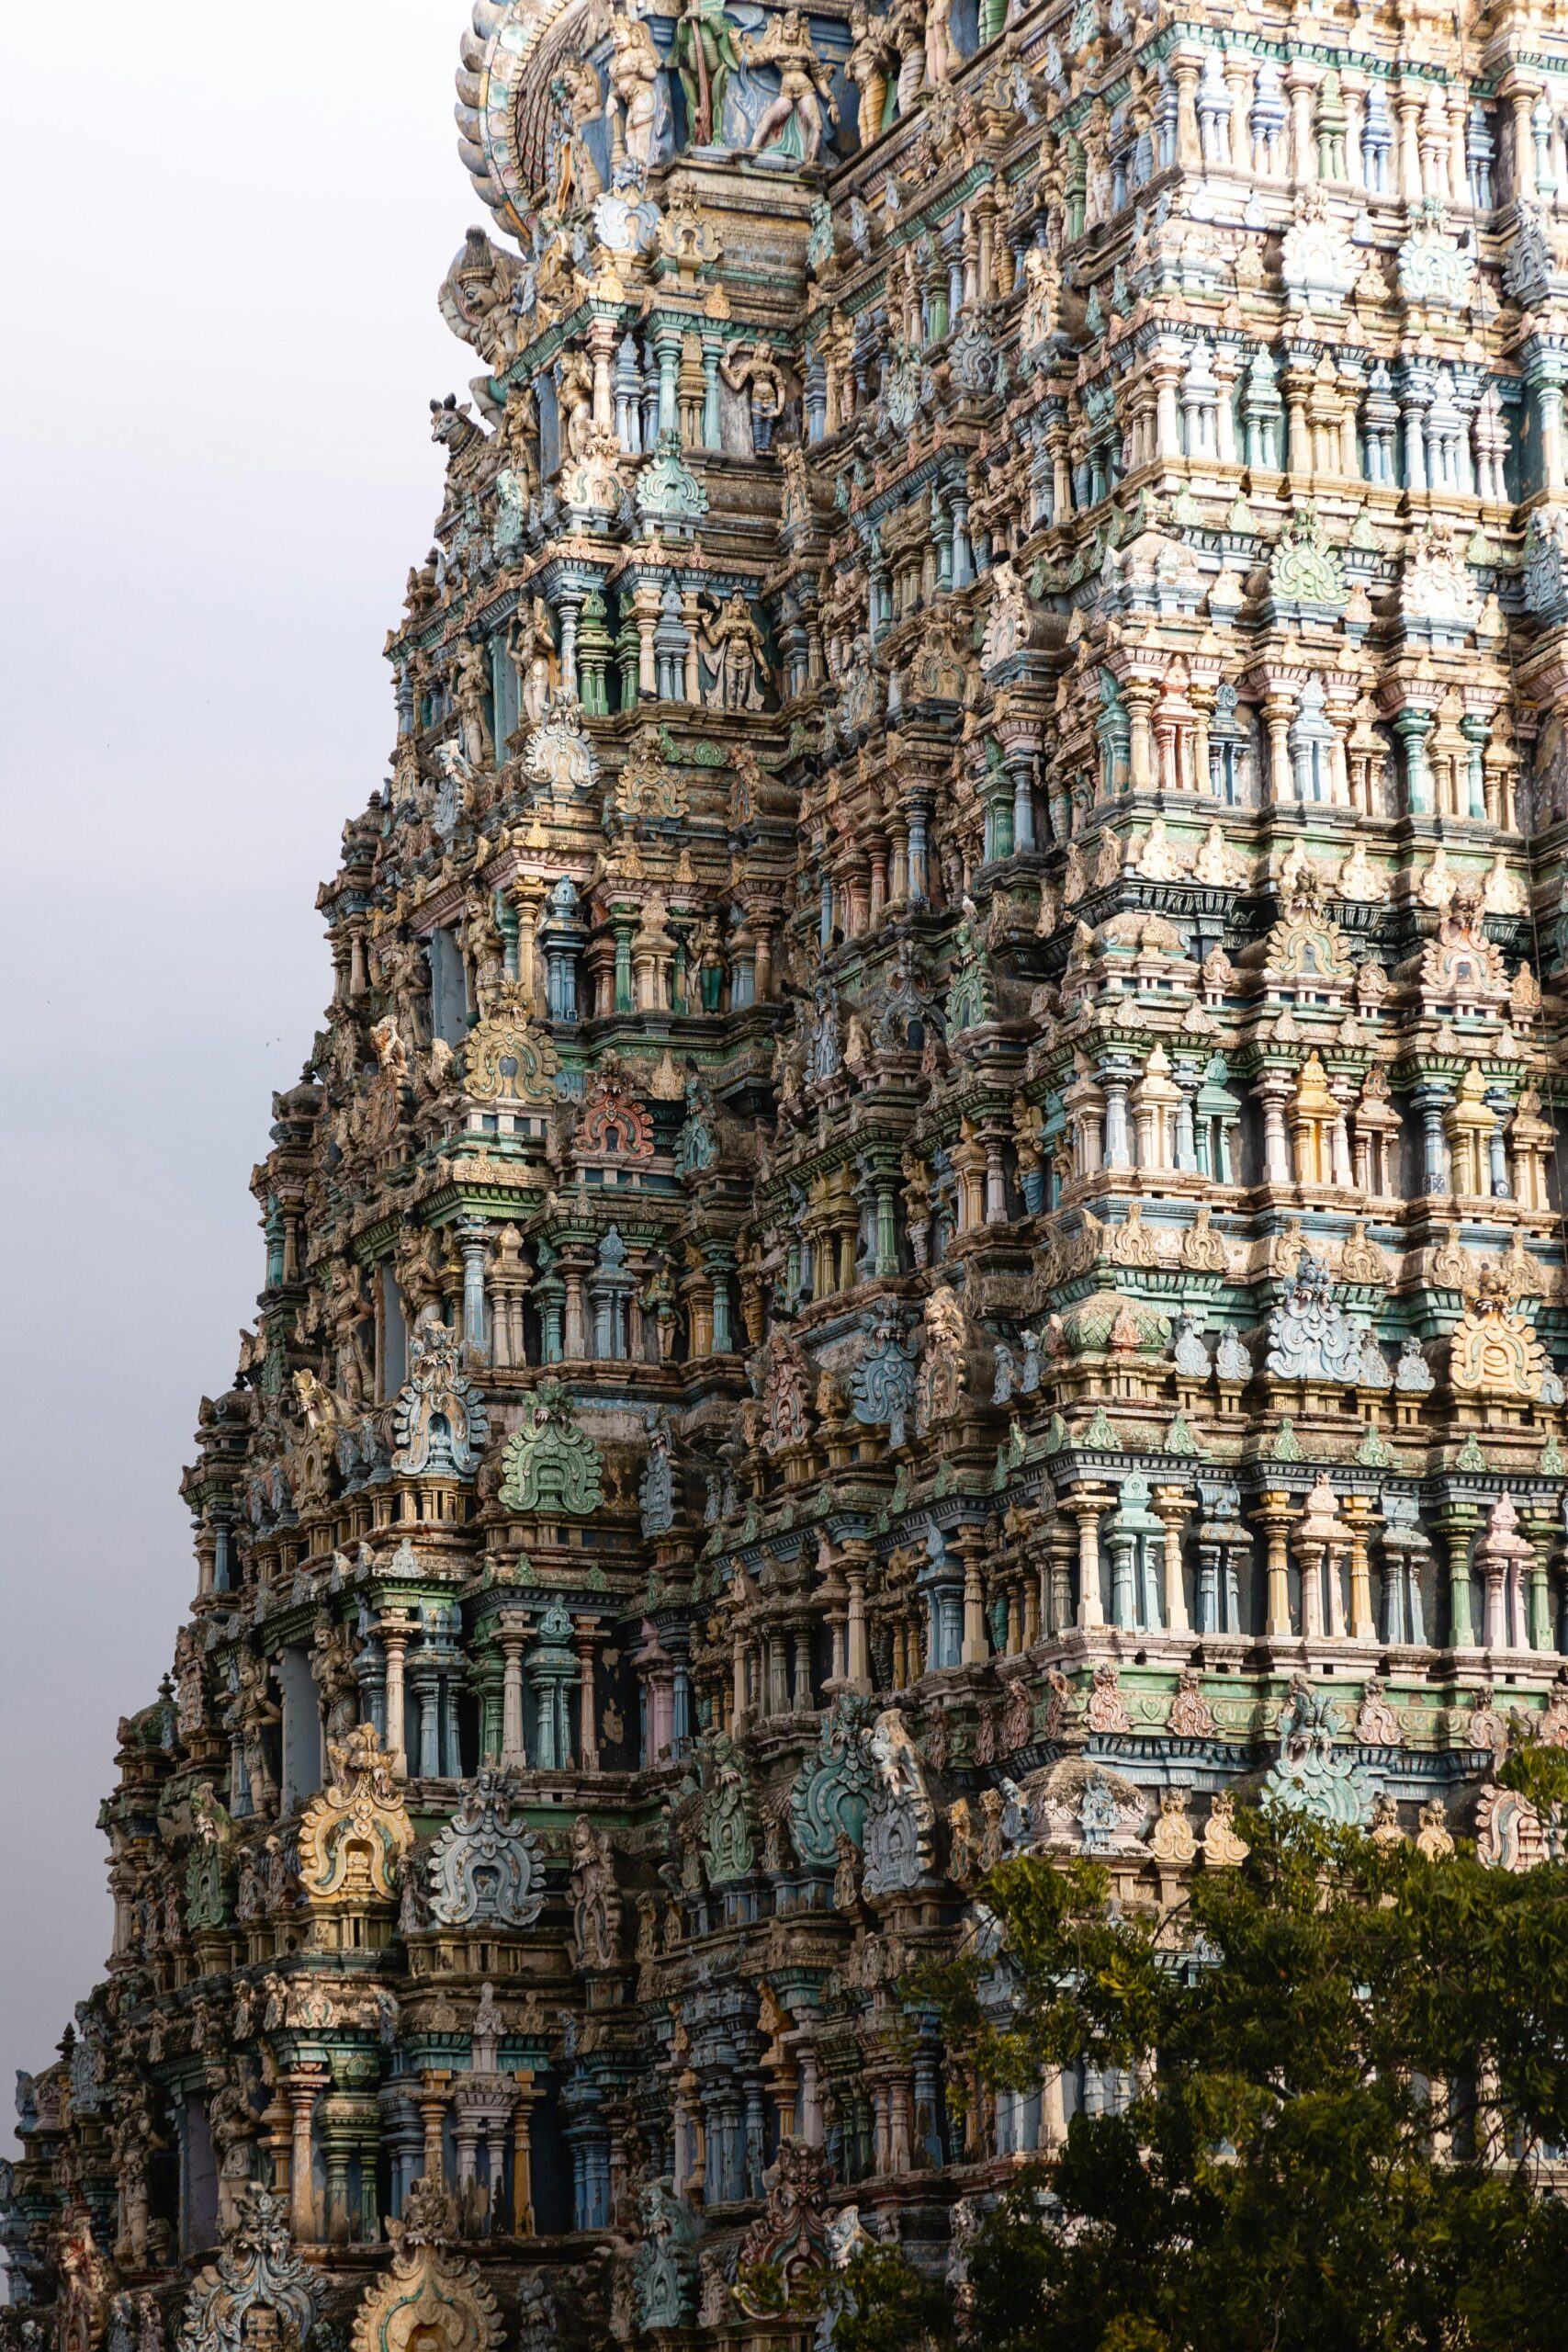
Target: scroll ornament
(550, 1464)
(828, 1798)
(485, 1868)
(439, 1422)
(1495, 1351)
(427, 2299)
(355, 1833)
(257, 2269)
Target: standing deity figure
(595, 1899)
(759, 370)
(705, 57)
(794, 121)
(577, 402)
(1042, 293)
(730, 650)
(632, 107)
(517, 435)
(532, 645)
(907, 30)
(869, 58)
(575, 180)
(470, 690)
(257, 1712)
(942, 60)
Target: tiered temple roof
(926, 1220)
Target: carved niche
(485, 1868)
(355, 1833)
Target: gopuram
(926, 1222)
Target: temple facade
(927, 1219)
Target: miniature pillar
(1171, 1503)
(303, 2086)
(1274, 1513)
(856, 1558)
(473, 1242)
(1087, 1510)
(1356, 1512)
(1457, 1533)
(522, 2156)
(513, 1755)
(432, 2105)
(587, 1713)
(395, 1632)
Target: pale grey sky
(223, 229)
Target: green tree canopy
(1349, 2067)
